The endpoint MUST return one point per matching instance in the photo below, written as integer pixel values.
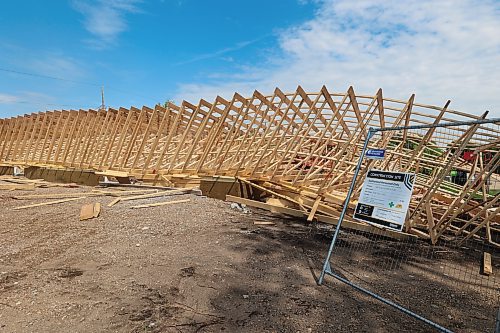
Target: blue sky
(145, 52)
(139, 51)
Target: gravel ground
(199, 266)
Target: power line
(46, 76)
(43, 107)
(74, 81)
(40, 103)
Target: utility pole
(103, 106)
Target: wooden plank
(90, 211)
(92, 127)
(47, 203)
(314, 208)
(262, 188)
(263, 223)
(19, 187)
(487, 267)
(79, 137)
(81, 194)
(97, 209)
(117, 151)
(114, 202)
(156, 195)
(161, 128)
(87, 212)
(150, 195)
(265, 206)
(164, 203)
(112, 173)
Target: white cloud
(218, 53)
(56, 65)
(105, 19)
(439, 50)
(26, 97)
(20, 102)
(8, 99)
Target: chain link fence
(448, 275)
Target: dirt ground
(200, 266)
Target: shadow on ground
(273, 288)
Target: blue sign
(375, 154)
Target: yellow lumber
(114, 202)
(487, 267)
(113, 173)
(90, 211)
(97, 209)
(264, 223)
(87, 212)
(47, 203)
(164, 203)
(21, 187)
(150, 195)
(79, 194)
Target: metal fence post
(497, 326)
(326, 265)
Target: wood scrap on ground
(487, 266)
(97, 193)
(31, 183)
(90, 211)
(150, 195)
(164, 203)
(145, 186)
(263, 223)
(48, 203)
(18, 187)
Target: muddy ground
(200, 266)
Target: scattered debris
(69, 272)
(25, 184)
(487, 267)
(96, 193)
(138, 185)
(264, 223)
(161, 203)
(21, 187)
(188, 271)
(97, 209)
(90, 211)
(47, 203)
(150, 195)
(241, 207)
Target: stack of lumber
(299, 148)
(12, 183)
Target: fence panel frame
(326, 270)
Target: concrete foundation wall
(6, 170)
(63, 176)
(219, 187)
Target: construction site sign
(375, 154)
(385, 198)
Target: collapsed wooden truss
(299, 147)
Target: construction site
(217, 215)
